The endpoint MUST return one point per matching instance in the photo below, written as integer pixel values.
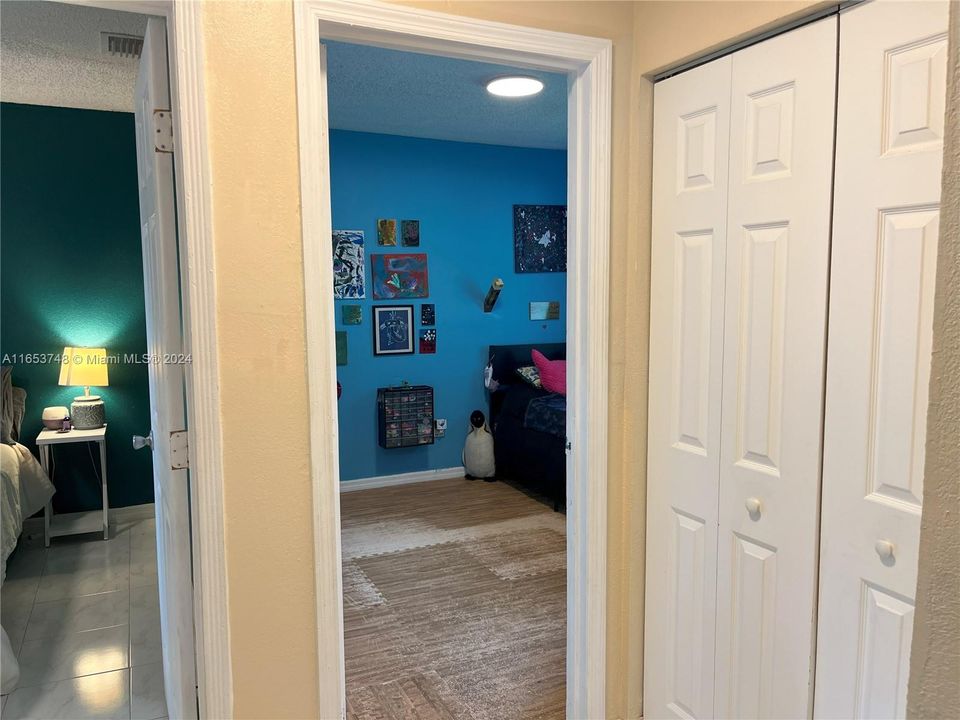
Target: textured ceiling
(402, 93)
(50, 55)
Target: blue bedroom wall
(463, 195)
(71, 274)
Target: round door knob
(753, 506)
(884, 549)
(141, 442)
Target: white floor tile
(25, 563)
(14, 619)
(105, 695)
(90, 612)
(146, 694)
(145, 643)
(65, 584)
(143, 573)
(74, 655)
(99, 554)
(19, 591)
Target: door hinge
(569, 447)
(163, 131)
(179, 450)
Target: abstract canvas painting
(540, 238)
(410, 233)
(428, 314)
(351, 314)
(549, 310)
(392, 329)
(401, 275)
(341, 347)
(348, 264)
(387, 231)
(428, 342)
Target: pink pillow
(553, 373)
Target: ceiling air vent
(117, 45)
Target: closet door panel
(691, 131)
(778, 233)
(886, 215)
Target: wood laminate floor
(454, 600)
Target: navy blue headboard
(506, 360)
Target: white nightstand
(82, 522)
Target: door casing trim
(587, 62)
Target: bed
(25, 489)
(528, 424)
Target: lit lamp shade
(85, 367)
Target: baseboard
(401, 479)
(34, 525)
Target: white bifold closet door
(691, 141)
(889, 151)
(778, 250)
(742, 184)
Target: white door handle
(884, 549)
(140, 442)
(753, 506)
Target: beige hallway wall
(254, 156)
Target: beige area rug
(454, 597)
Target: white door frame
(587, 62)
(198, 291)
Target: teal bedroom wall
(71, 274)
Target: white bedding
(25, 490)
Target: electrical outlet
(439, 427)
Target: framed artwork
(387, 231)
(341, 347)
(348, 264)
(410, 233)
(540, 238)
(392, 329)
(428, 341)
(549, 310)
(428, 314)
(351, 314)
(400, 276)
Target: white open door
(166, 371)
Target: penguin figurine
(478, 450)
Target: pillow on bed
(530, 374)
(553, 373)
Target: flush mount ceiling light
(514, 86)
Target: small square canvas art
(351, 314)
(348, 264)
(401, 275)
(428, 314)
(540, 238)
(387, 231)
(545, 310)
(341, 347)
(392, 329)
(428, 342)
(410, 233)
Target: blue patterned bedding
(547, 414)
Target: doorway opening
(585, 63)
(449, 212)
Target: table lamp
(86, 367)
